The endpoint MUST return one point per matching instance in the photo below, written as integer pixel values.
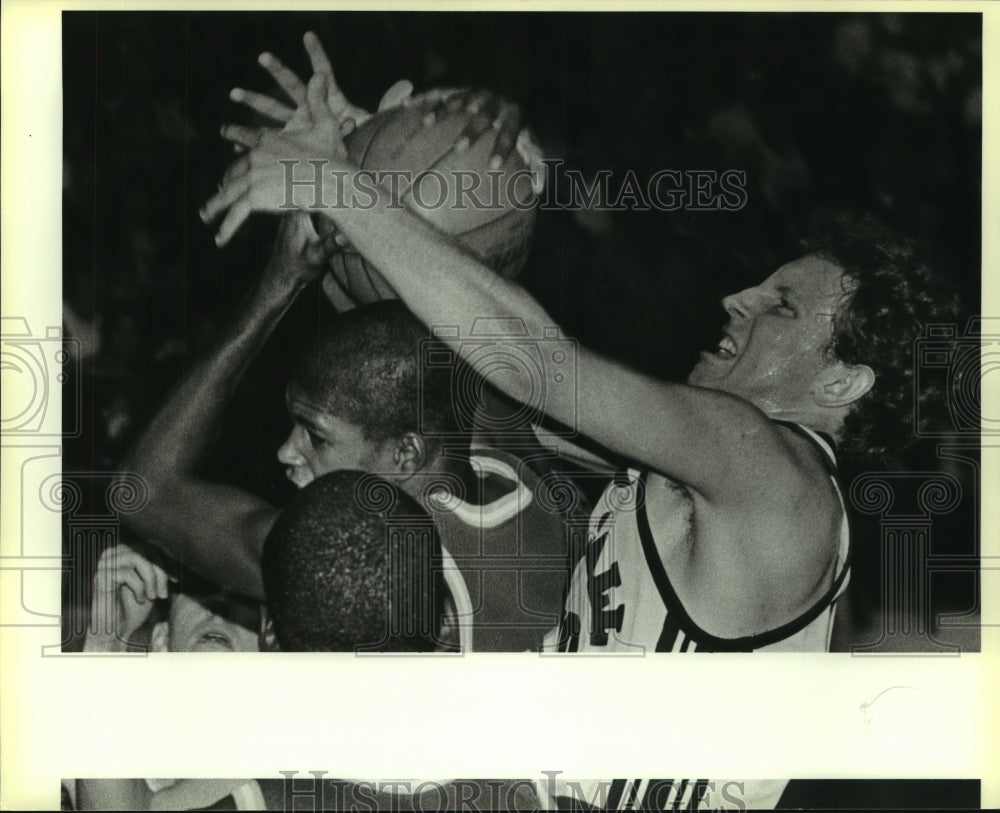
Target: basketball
(492, 216)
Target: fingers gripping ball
(491, 212)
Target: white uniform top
(675, 795)
(621, 599)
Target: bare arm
(721, 446)
(112, 794)
(194, 794)
(703, 438)
(216, 529)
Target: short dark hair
(894, 293)
(353, 563)
(367, 366)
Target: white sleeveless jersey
(674, 795)
(621, 598)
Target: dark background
(878, 112)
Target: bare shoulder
(760, 560)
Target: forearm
(214, 529)
(194, 794)
(108, 642)
(682, 431)
(175, 441)
(112, 794)
(441, 283)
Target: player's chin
(708, 370)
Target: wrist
(276, 289)
(103, 643)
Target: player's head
(203, 617)
(895, 292)
(831, 335)
(362, 398)
(350, 564)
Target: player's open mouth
(726, 348)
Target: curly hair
(350, 564)
(893, 293)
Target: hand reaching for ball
(473, 135)
(258, 181)
(347, 115)
(490, 111)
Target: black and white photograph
(548, 792)
(395, 340)
(722, 398)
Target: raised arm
(688, 433)
(216, 529)
(112, 794)
(697, 436)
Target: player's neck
(826, 421)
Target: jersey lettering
(602, 619)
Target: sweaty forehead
(811, 281)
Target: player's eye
(315, 440)
(217, 639)
(785, 308)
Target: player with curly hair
(729, 531)
(895, 293)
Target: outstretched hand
(313, 130)
(348, 115)
(489, 111)
(260, 179)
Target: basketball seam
(371, 140)
(409, 196)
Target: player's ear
(411, 453)
(266, 639)
(159, 638)
(842, 384)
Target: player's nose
(740, 304)
(288, 452)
